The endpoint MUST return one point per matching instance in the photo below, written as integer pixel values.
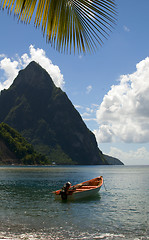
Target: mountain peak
(45, 116)
(34, 66)
(35, 77)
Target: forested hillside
(14, 149)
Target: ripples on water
(28, 209)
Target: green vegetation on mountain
(14, 149)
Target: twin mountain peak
(43, 114)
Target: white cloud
(138, 157)
(89, 119)
(124, 113)
(85, 114)
(90, 113)
(90, 110)
(126, 29)
(94, 105)
(78, 106)
(11, 67)
(2, 55)
(88, 89)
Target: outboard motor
(64, 191)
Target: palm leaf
(68, 24)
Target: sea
(28, 209)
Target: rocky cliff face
(45, 116)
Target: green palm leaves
(68, 24)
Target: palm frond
(68, 24)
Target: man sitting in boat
(64, 191)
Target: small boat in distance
(81, 190)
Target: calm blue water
(28, 209)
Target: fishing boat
(81, 190)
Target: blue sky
(109, 88)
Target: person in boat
(64, 191)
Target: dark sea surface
(28, 209)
